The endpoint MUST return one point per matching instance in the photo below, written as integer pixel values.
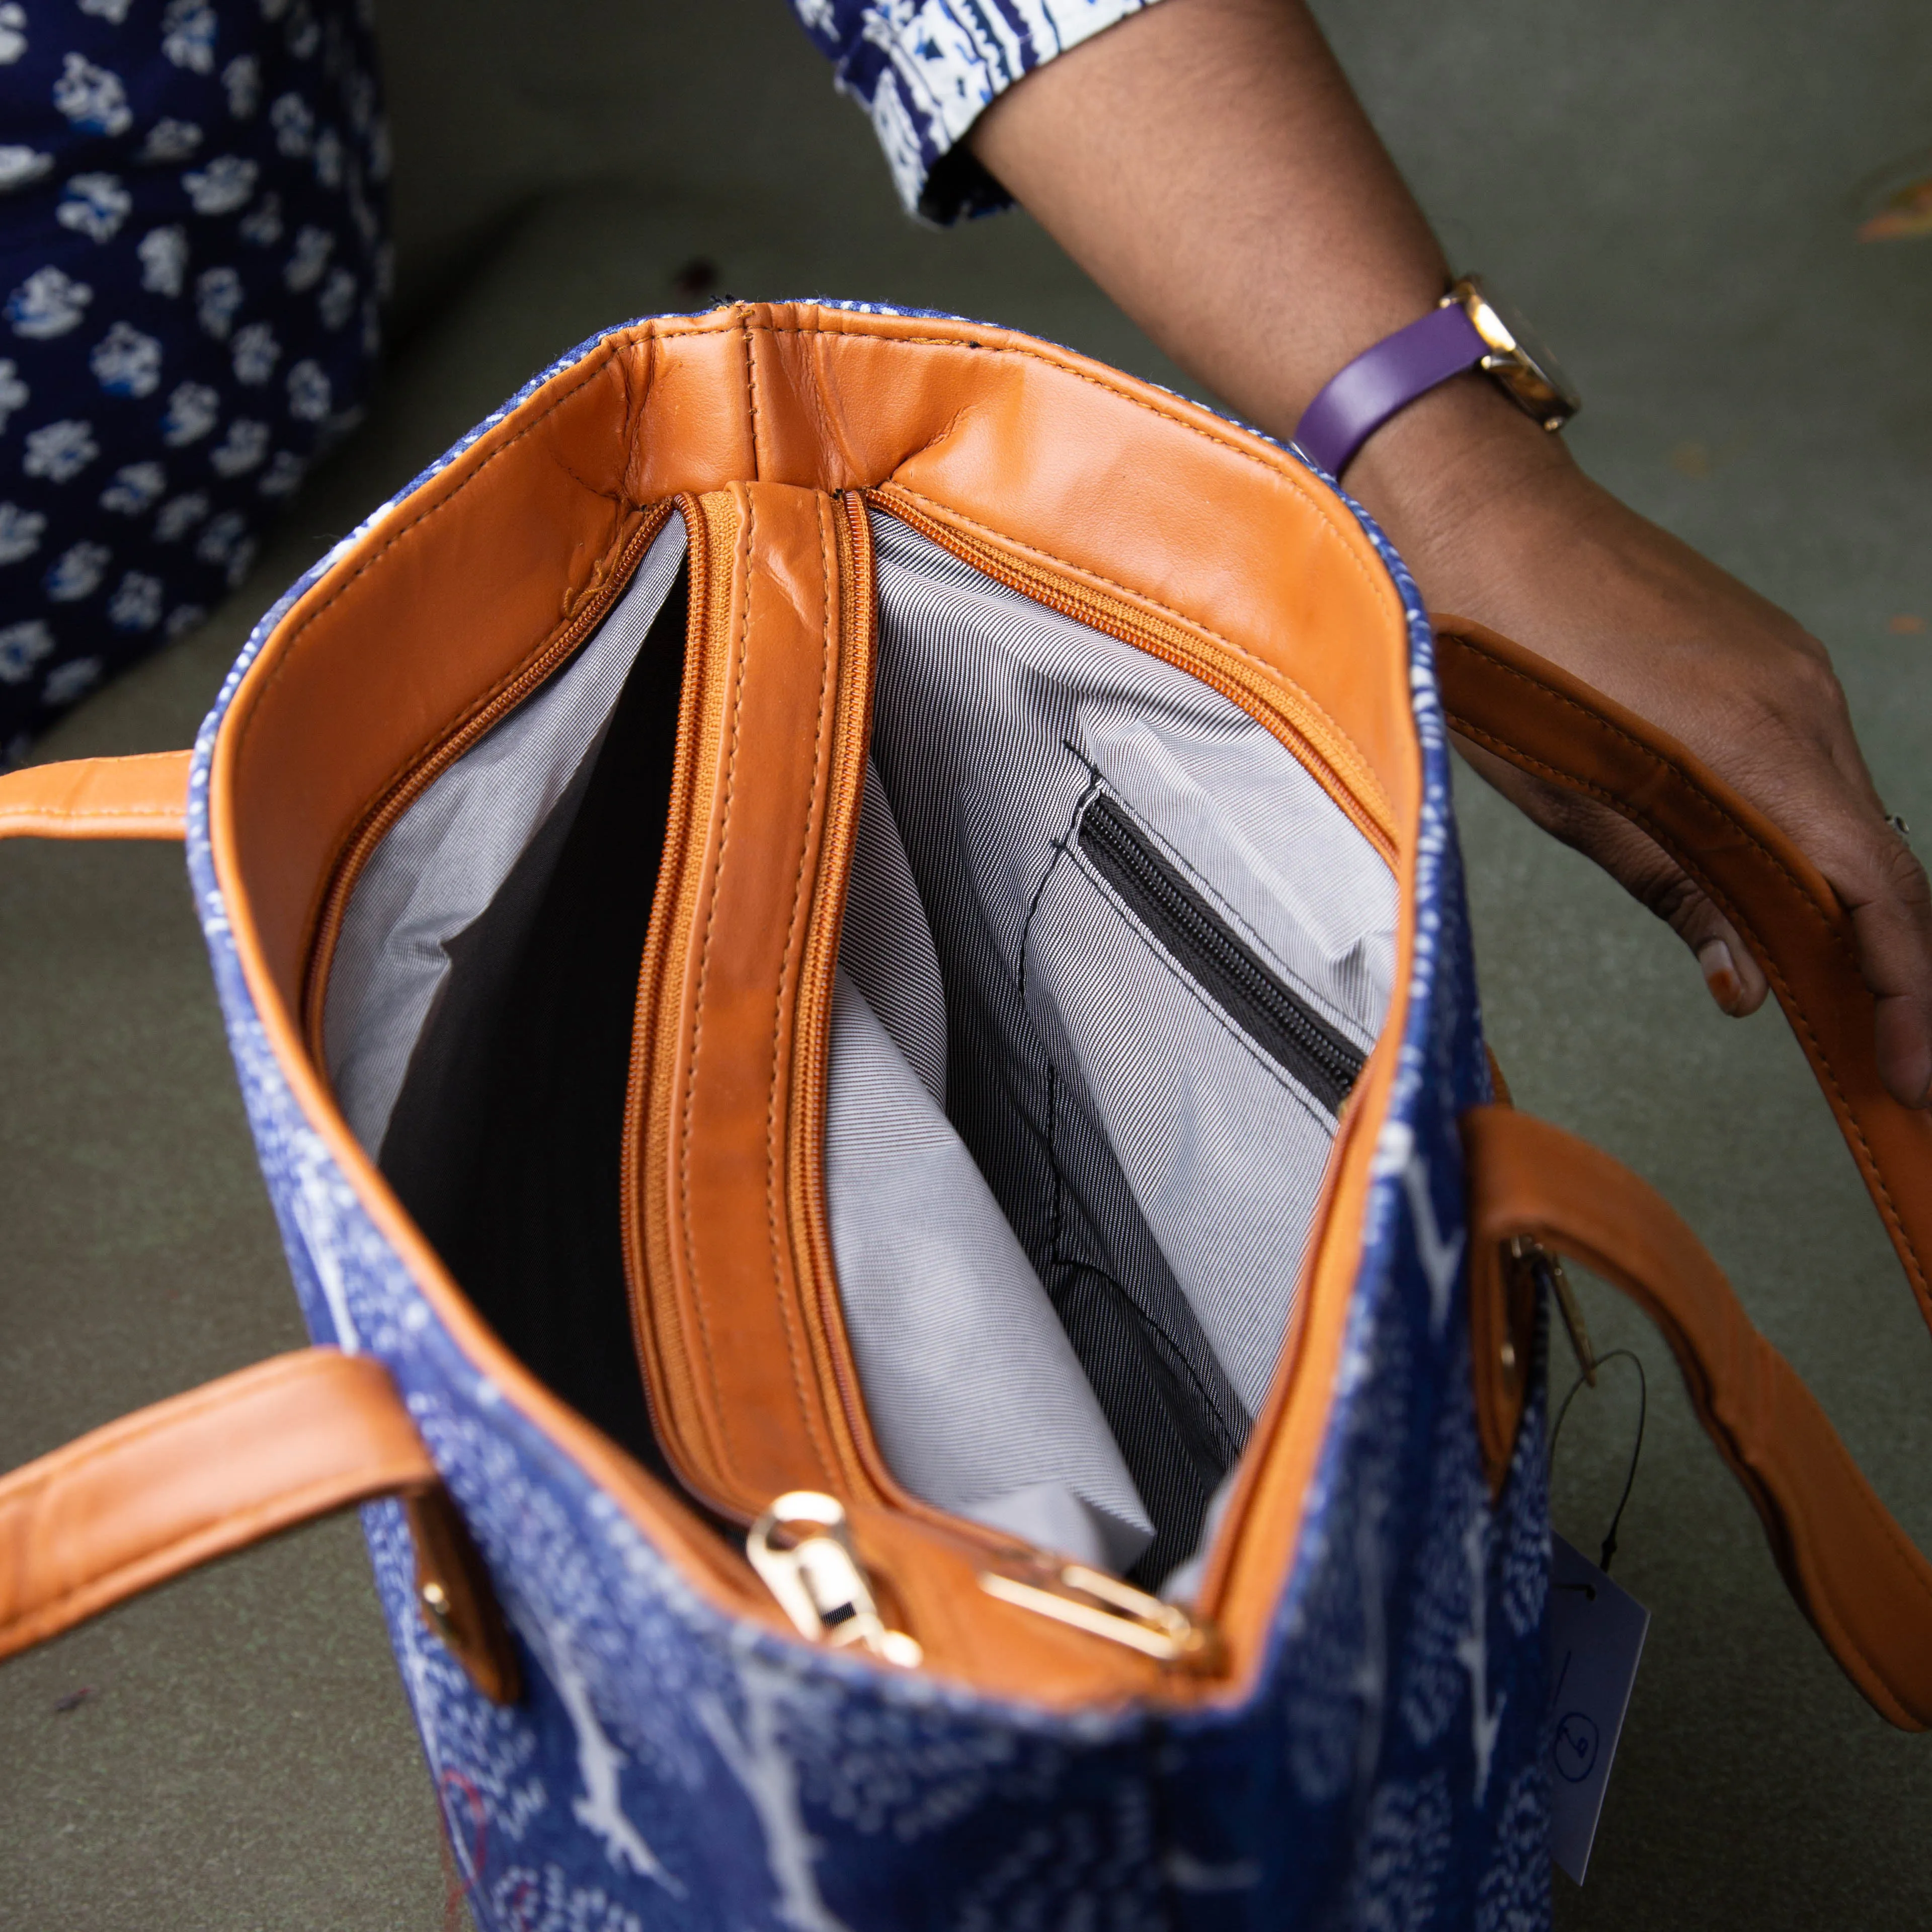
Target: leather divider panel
(764, 804)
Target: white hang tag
(1596, 1635)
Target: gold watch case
(1529, 375)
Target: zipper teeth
(705, 566)
(1120, 620)
(858, 604)
(404, 792)
(1334, 1064)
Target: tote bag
(844, 943)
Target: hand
(1499, 525)
(1206, 163)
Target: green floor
(1671, 191)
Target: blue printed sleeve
(925, 69)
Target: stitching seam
(729, 775)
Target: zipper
(582, 614)
(1319, 747)
(801, 1548)
(1268, 1010)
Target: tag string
(1636, 1448)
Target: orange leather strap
(1852, 1570)
(1543, 721)
(141, 797)
(195, 1477)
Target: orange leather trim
(194, 1477)
(1527, 710)
(144, 796)
(438, 601)
(1850, 1567)
(735, 1384)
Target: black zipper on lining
(1275, 1017)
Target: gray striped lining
(1069, 1196)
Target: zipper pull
(801, 1547)
(1103, 1606)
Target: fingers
(1731, 975)
(1882, 884)
(1873, 871)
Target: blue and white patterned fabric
(671, 1767)
(924, 70)
(192, 256)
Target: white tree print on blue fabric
(218, 297)
(12, 32)
(244, 448)
(163, 257)
(193, 409)
(242, 82)
(19, 165)
(14, 394)
(337, 302)
(92, 98)
(77, 572)
(60, 451)
(309, 392)
(256, 352)
(314, 247)
(19, 532)
(223, 186)
(179, 515)
(136, 604)
(187, 35)
(95, 205)
(169, 141)
(67, 682)
(283, 476)
(49, 303)
(126, 363)
(261, 227)
(21, 646)
(136, 487)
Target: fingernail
(1720, 974)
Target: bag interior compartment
(1111, 960)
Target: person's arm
(1207, 163)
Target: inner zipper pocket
(1272, 1014)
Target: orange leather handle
(1543, 721)
(195, 1477)
(141, 797)
(208, 1473)
(1852, 1570)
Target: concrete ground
(1670, 189)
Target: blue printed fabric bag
(845, 945)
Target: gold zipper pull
(801, 1547)
(1103, 1606)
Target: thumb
(1643, 869)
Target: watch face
(1518, 358)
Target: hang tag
(1596, 1635)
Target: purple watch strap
(1384, 379)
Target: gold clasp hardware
(1524, 1249)
(1102, 1605)
(801, 1547)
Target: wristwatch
(1470, 328)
